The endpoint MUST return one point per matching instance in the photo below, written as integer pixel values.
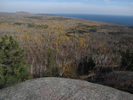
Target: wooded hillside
(60, 44)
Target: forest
(62, 46)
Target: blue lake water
(117, 19)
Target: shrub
(127, 60)
(69, 70)
(13, 68)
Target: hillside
(70, 40)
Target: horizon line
(68, 13)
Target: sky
(106, 7)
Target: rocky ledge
(51, 88)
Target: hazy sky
(114, 7)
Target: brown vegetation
(70, 39)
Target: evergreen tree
(50, 62)
(51, 69)
(13, 68)
(86, 66)
(127, 60)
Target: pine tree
(86, 65)
(13, 68)
(52, 71)
(127, 60)
(50, 62)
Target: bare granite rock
(122, 80)
(51, 88)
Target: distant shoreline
(116, 19)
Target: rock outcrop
(51, 88)
(122, 80)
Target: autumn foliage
(59, 44)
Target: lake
(117, 19)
